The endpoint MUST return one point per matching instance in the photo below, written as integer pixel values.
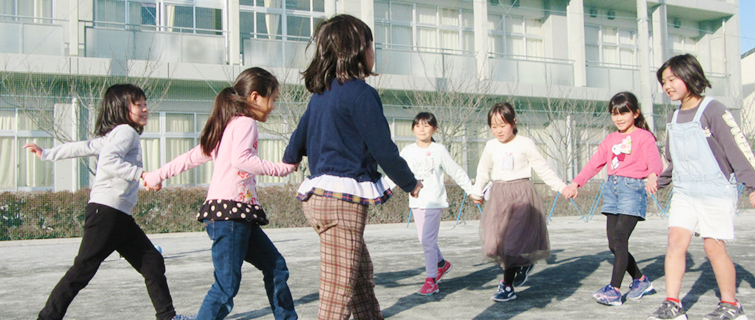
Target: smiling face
(424, 131)
(674, 86)
(264, 105)
(624, 121)
(503, 132)
(138, 112)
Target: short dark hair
(234, 101)
(341, 45)
(506, 110)
(115, 108)
(687, 68)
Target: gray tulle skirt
(513, 226)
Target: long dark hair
(427, 117)
(341, 45)
(115, 108)
(624, 102)
(506, 110)
(687, 68)
(234, 101)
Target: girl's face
(502, 130)
(424, 131)
(265, 105)
(624, 121)
(674, 86)
(138, 112)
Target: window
(17, 128)
(292, 20)
(611, 46)
(423, 27)
(683, 44)
(515, 36)
(23, 10)
(180, 15)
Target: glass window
(298, 26)
(179, 122)
(401, 12)
(8, 149)
(208, 18)
(7, 121)
(174, 148)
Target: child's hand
(570, 191)
(34, 148)
(151, 187)
(651, 185)
(415, 192)
(752, 199)
(296, 166)
(478, 201)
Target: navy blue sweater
(345, 134)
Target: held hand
(752, 199)
(296, 166)
(34, 148)
(480, 201)
(651, 185)
(570, 191)
(415, 192)
(156, 187)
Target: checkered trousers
(346, 285)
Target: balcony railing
(31, 35)
(424, 62)
(615, 78)
(279, 53)
(155, 43)
(531, 70)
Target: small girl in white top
(513, 224)
(428, 161)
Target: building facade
(558, 61)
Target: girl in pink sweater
(231, 212)
(631, 155)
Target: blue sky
(747, 24)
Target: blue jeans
(623, 195)
(233, 243)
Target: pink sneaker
(443, 270)
(429, 287)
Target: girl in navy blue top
(345, 135)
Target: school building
(558, 61)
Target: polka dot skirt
(232, 210)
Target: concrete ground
(559, 288)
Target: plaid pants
(346, 285)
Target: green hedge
(35, 215)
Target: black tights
(509, 274)
(618, 229)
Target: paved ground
(558, 288)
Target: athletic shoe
(639, 288)
(522, 275)
(443, 270)
(727, 311)
(429, 287)
(669, 310)
(504, 293)
(597, 294)
(610, 296)
(181, 317)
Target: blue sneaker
(504, 293)
(523, 274)
(610, 296)
(639, 288)
(182, 317)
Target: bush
(34, 215)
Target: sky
(746, 25)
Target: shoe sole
(444, 273)
(643, 293)
(742, 317)
(503, 300)
(427, 294)
(606, 303)
(680, 317)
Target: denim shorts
(622, 195)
